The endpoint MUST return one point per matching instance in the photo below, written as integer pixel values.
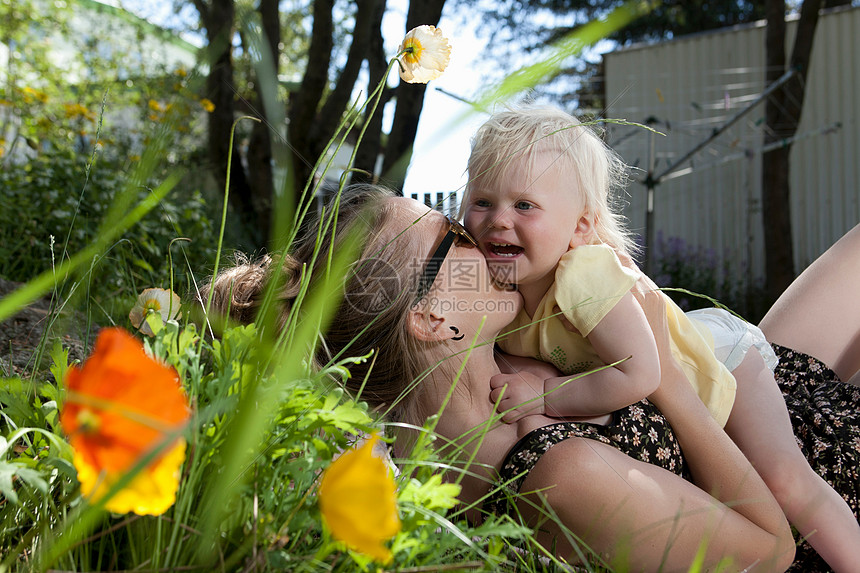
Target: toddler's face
(525, 224)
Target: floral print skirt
(825, 413)
(639, 430)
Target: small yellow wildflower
(207, 105)
(76, 110)
(423, 55)
(162, 301)
(358, 501)
(181, 72)
(154, 105)
(30, 94)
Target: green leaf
(60, 362)
(143, 264)
(16, 399)
(349, 415)
(64, 466)
(153, 319)
(51, 392)
(332, 399)
(432, 494)
(31, 477)
(7, 472)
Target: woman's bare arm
(643, 517)
(717, 465)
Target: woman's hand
(673, 381)
(717, 465)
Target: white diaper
(733, 337)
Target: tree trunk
(218, 17)
(782, 117)
(304, 103)
(371, 145)
(260, 144)
(410, 102)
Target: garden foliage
(696, 277)
(270, 516)
(54, 204)
(264, 424)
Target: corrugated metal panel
(692, 86)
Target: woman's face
(463, 291)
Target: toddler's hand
(517, 395)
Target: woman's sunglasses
(431, 271)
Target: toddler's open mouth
(504, 249)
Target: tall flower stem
(223, 216)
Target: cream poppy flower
(163, 301)
(423, 55)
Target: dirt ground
(21, 335)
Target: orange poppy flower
(120, 406)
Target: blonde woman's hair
(385, 273)
(511, 139)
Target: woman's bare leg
(760, 426)
(819, 314)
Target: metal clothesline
(831, 128)
(651, 181)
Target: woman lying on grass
(631, 489)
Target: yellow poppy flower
(358, 501)
(423, 55)
(163, 301)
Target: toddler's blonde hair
(512, 139)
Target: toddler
(539, 201)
